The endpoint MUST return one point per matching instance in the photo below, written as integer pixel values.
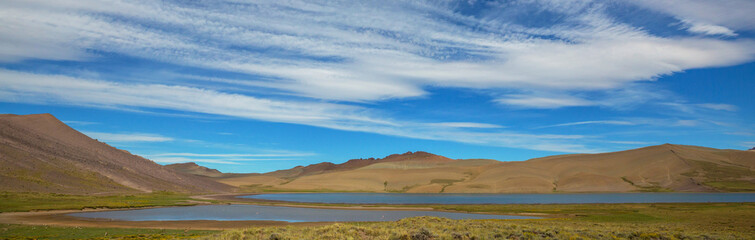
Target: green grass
(19, 202)
(732, 186)
(561, 221)
(653, 188)
(14, 231)
(441, 228)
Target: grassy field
(14, 231)
(570, 221)
(564, 221)
(21, 202)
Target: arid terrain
(39, 153)
(49, 169)
(664, 167)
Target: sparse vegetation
(652, 188)
(571, 221)
(732, 186)
(15, 231)
(19, 202)
(441, 228)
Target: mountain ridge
(40, 153)
(665, 167)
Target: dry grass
(573, 221)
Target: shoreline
(61, 218)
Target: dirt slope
(656, 168)
(39, 153)
(193, 168)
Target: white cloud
(606, 122)
(544, 102)
(465, 125)
(631, 142)
(718, 106)
(358, 51)
(354, 51)
(226, 158)
(709, 29)
(735, 14)
(226, 155)
(694, 108)
(128, 137)
(170, 160)
(58, 89)
(80, 123)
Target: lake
(448, 198)
(272, 213)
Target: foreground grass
(20, 202)
(14, 231)
(573, 221)
(565, 221)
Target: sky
(256, 86)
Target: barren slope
(656, 168)
(41, 154)
(193, 168)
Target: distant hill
(193, 168)
(39, 153)
(664, 167)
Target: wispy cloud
(227, 155)
(709, 29)
(543, 102)
(58, 89)
(605, 122)
(335, 56)
(128, 137)
(83, 123)
(700, 107)
(735, 14)
(465, 125)
(225, 158)
(718, 106)
(357, 51)
(632, 142)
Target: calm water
(270, 213)
(444, 198)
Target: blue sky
(255, 86)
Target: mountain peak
(42, 145)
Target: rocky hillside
(39, 153)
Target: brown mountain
(325, 167)
(656, 168)
(39, 153)
(193, 168)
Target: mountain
(193, 168)
(39, 153)
(664, 167)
